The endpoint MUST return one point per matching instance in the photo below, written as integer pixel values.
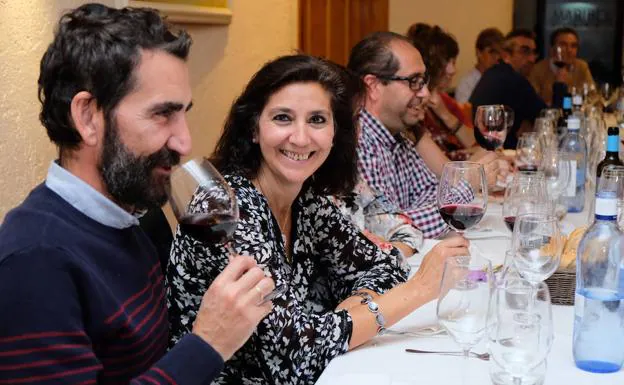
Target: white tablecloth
(383, 360)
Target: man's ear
(373, 86)
(87, 117)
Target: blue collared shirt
(86, 199)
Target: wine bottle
(613, 149)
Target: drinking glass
(462, 194)
(545, 128)
(206, 207)
(525, 194)
(491, 121)
(463, 307)
(523, 329)
(607, 94)
(556, 176)
(537, 243)
(203, 203)
(528, 152)
(559, 58)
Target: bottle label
(577, 100)
(606, 207)
(571, 189)
(613, 144)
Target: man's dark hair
(436, 46)
(562, 31)
(372, 55)
(489, 37)
(519, 32)
(96, 49)
(236, 152)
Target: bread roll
(568, 258)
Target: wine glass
(546, 133)
(203, 203)
(206, 207)
(606, 94)
(556, 172)
(523, 333)
(463, 307)
(559, 58)
(491, 121)
(537, 243)
(528, 152)
(462, 194)
(526, 194)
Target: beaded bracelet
(372, 306)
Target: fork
(481, 356)
(424, 332)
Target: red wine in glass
(461, 216)
(209, 228)
(493, 141)
(509, 222)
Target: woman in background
(450, 129)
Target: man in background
(488, 50)
(506, 83)
(564, 44)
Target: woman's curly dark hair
(236, 153)
(436, 46)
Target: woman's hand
(429, 275)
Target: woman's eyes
(282, 118)
(314, 119)
(317, 119)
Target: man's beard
(130, 179)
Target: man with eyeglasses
(506, 83)
(564, 44)
(396, 88)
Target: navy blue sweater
(501, 84)
(84, 303)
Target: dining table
(384, 360)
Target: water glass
(523, 330)
(537, 243)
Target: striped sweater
(83, 303)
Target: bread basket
(562, 285)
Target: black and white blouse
(331, 260)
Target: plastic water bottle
(598, 344)
(575, 147)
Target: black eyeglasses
(416, 82)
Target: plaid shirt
(391, 165)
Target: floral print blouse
(330, 260)
(380, 220)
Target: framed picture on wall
(187, 11)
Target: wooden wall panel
(329, 28)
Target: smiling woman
(289, 142)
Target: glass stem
(230, 250)
(465, 366)
(517, 381)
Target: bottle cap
(574, 123)
(612, 131)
